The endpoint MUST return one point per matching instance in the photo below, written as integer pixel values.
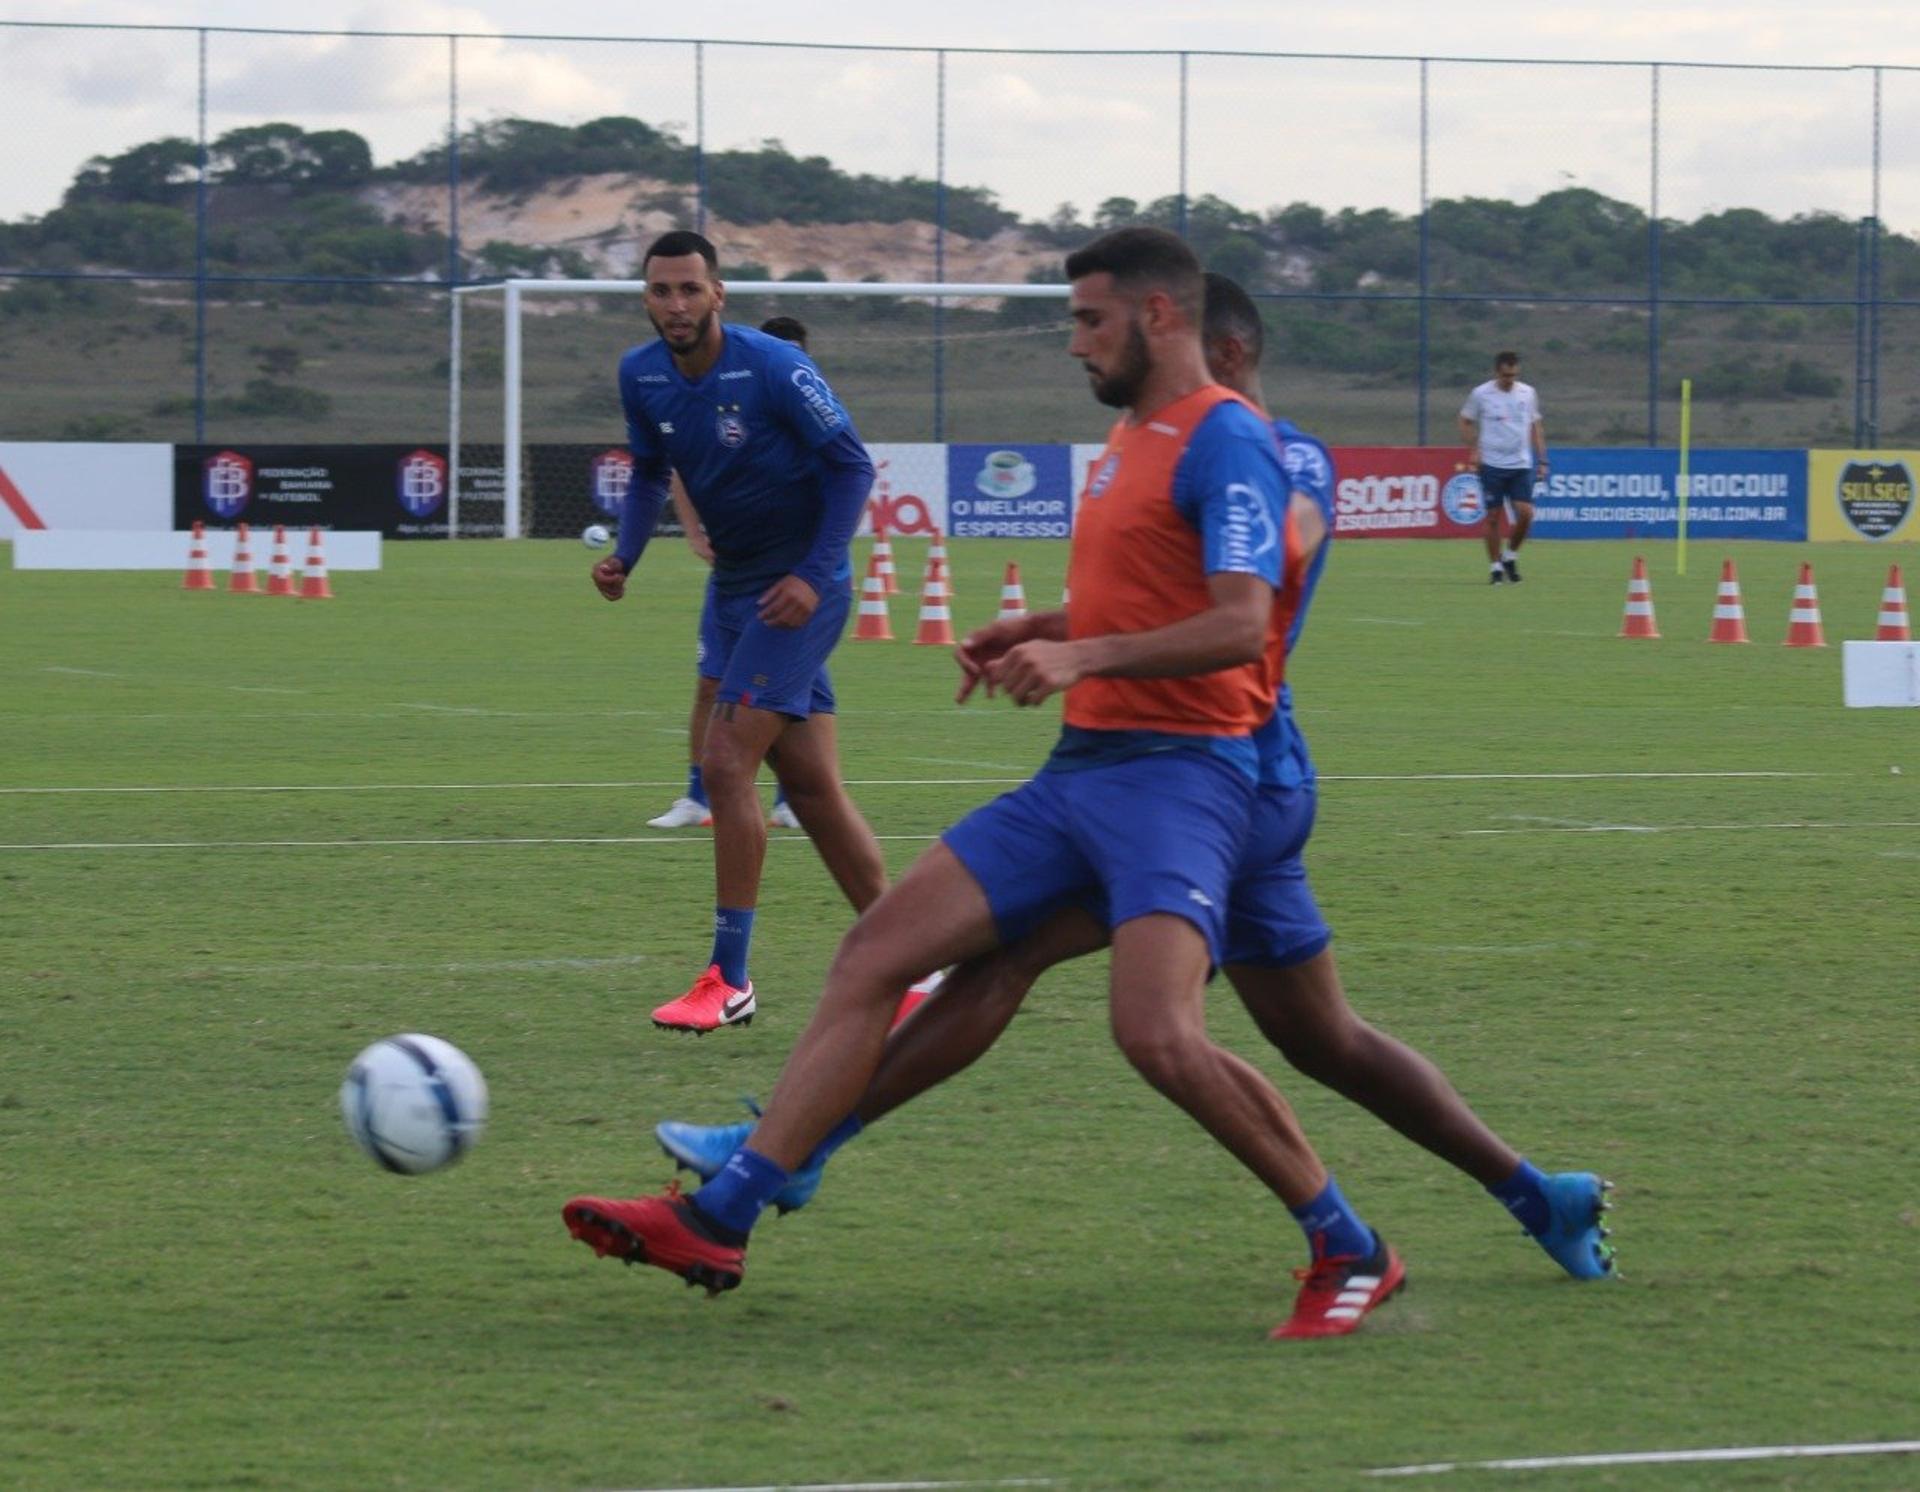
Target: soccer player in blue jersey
(1168, 663)
(1278, 957)
(779, 479)
(690, 810)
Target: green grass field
(1703, 985)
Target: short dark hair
(677, 245)
(1506, 360)
(1231, 313)
(787, 329)
(1141, 258)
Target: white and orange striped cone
(1638, 621)
(937, 550)
(1803, 622)
(873, 624)
(1013, 597)
(199, 567)
(1893, 611)
(883, 557)
(313, 574)
(279, 566)
(241, 581)
(936, 612)
(1729, 616)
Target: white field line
(1675, 828)
(704, 841)
(85, 673)
(1660, 1458)
(1555, 823)
(672, 782)
(1014, 1481)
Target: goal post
(931, 318)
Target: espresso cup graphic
(1006, 474)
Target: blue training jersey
(1284, 759)
(758, 440)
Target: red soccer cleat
(1337, 1293)
(709, 1005)
(662, 1231)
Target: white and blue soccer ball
(414, 1103)
(596, 536)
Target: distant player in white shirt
(1500, 423)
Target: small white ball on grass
(595, 536)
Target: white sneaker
(685, 814)
(782, 817)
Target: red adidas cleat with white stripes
(1336, 1294)
(662, 1231)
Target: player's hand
(1035, 671)
(700, 544)
(610, 577)
(788, 602)
(982, 646)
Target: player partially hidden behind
(1278, 959)
(690, 810)
(1507, 445)
(1186, 535)
(778, 479)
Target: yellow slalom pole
(1686, 446)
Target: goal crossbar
(514, 290)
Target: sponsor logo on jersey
(1463, 500)
(1103, 475)
(666, 427)
(649, 378)
(420, 482)
(1874, 496)
(818, 398)
(1249, 530)
(226, 480)
(736, 373)
(611, 473)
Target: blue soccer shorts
(782, 669)
(1160, 832)
(1502, 485)
(1272, 918)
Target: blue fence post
(453, 160)
(700, 137)
(1182, 211)
(200, 265)
(1426, 282)
(1653, 260)
(939, 244)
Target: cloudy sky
(1042, 130)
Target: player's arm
(696, 532)
(1540, 441)
(985, 644)
(1470, 430)
(640, 509)
(802, 398)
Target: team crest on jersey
(731, 429)
(1103, 474)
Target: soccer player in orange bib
(1184, 537)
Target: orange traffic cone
(937, 550)
(883, 557)
(1638, 621)
(199, 568)
(1013, 599)
(1729, 616)
(241, 581)
(279, 567)
(313, 575)
(873, 624)
(936, 615)
(1893, 611)
(1803, 622)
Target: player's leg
(1522, 521)
(1491, 492)
(806, 758)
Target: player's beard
(694, 339)
(1119, 387)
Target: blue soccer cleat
(1573, 1235)
(705, 1148)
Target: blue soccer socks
(696, 786)
(746, 1183)
(1333, 1228)
(732, 936)
(1524, 1194)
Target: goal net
(537, 441)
